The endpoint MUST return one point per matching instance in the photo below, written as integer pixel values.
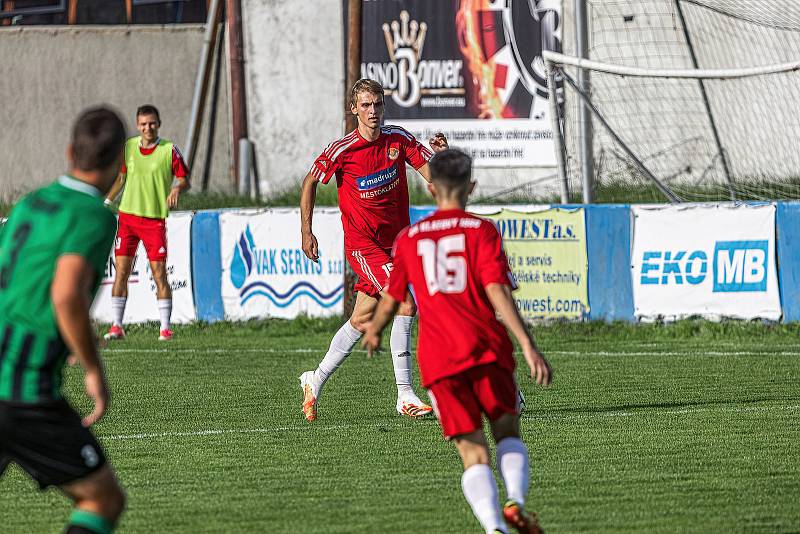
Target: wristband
(107, 202)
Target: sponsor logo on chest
(377, 180)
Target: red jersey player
(369, 166)
(459, 272)
(153, 175)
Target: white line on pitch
(211, 351)
(684, 411)
(238, 431)
(699, 352)
(696, 352)
(197, 433)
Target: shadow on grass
(688, 405)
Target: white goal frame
(554, 63)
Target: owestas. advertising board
(265, 272)
(471, 69)
(547, 255)
(709, 261)
(141, 305)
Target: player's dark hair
(148, 109)
(364, 85)
(451, 168)
(98, 137)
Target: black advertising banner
(469, 68)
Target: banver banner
(547, 254)
(710, 261)
(141, 305)
(471, 69)
(265, 272)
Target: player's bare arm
(115, 190)
(386, 309)
(180, 185)
(70, 292)
(502, 302)
(438, 143)
(308, 196)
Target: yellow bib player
(154, 175)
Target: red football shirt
(448, 259)
(371, 177)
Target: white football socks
(512, 462)
(480, 489)
(164, 311)
(341, 346)
(400, 345)
(118, 309)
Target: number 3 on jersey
(21, 235)
(443, 271)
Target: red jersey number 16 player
(456, 264)
(369, 167)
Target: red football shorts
(151, 232)
(372, 265)
(460, 400)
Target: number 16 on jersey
(444, 271)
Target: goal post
(699, 95)
(555, 66)
(693, 74)
(640, 125)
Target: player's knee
(122, 273)
(359, 323)
(503, 433)
(121, 501)
(114, 501)
(409, 309)
(473, 449)
(107, 499)
(359, 320)
(507, 426)
(117, 502)
(160, 276)
(474, 456)
(162, 286)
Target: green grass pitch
(692, 427)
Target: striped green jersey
(66, 217)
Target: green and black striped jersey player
(66, 217)
(53, 253)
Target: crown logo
(404, 34)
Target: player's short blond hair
(364, 85)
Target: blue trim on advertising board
(787, 228)
(608, 247)
(417, 213)
(207, 267)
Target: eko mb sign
(716, 261)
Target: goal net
(727, 129)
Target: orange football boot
(517, 517)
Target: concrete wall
(48, 74)
(295, 84)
